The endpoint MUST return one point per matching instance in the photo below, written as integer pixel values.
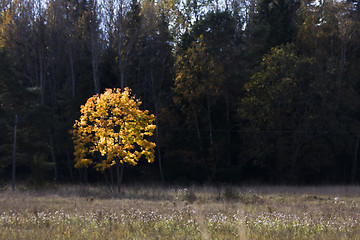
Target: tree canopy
(258, 90)
(112, 130)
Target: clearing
(197, 212)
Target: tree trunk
(94, 61)
(122, 79)
(53, 157)
(228, 126)
(119, 173)
(158, 146)
(111, 177)
(156, 106)
(42, 81)
(206, 167)
(80, 174)
(107, 182)
(14, 155)
(69, 165)
(213, 151)
(121, 60)
(355, 160)
(73, 82)
(85, 176)
(210, 123)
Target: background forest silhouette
(243, 91)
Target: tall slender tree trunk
(107, 182)
(94, 61)
(69, 164)
(53, 157)
(122, 78)
(52, 87)
(213, 151)
(206, 167)
(122, 64)
(111, 177)
(156, 106)
(120, 59)
(158, 145)
(210, 122)
(120, 172)
(355, 160)
(80, 174)
(85, 175)
(73, 82)
(228, 126)
(42, 80)
(14, 154)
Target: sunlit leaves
(112, 129)
(274, 91)
(198, 77)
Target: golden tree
(112, 130)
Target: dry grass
(200, 212)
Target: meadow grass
(174, 212)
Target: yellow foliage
(111, 130)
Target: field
(198, 212)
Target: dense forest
(243, 90)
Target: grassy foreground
(152, 212)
